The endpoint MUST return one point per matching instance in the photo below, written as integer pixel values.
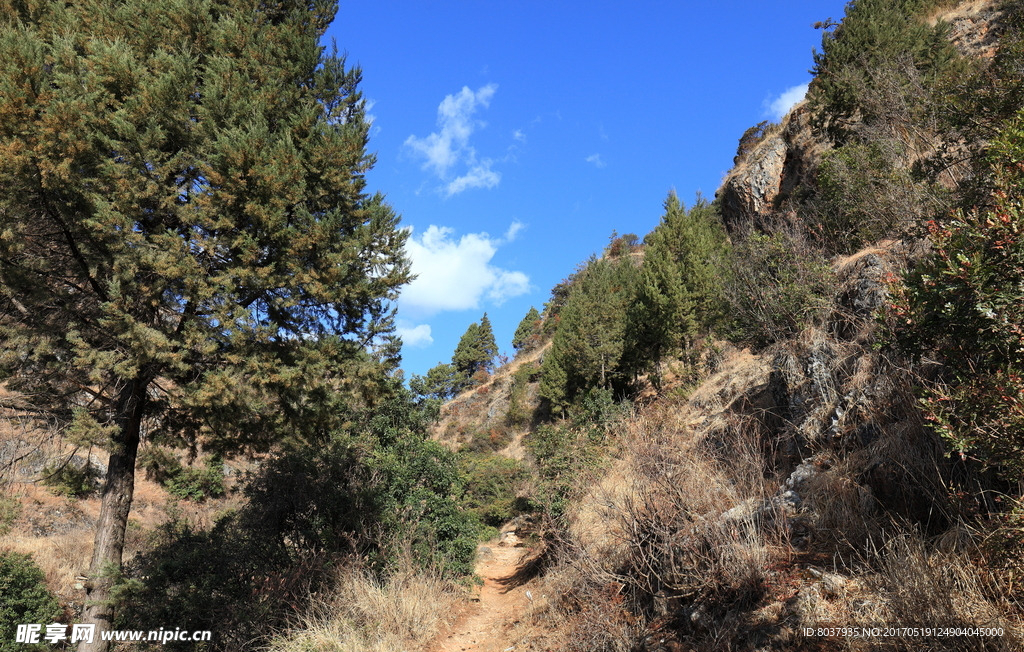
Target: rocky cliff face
(756, 189)
(756, 192)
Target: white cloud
(454, 274)
(518, 135)
(448, 148)
(596, 160)
(513, 230)
(370, 118)
(415, 336)
(508, 284)
(781, 105)
(480, 176)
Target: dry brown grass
(649, 539)
(61, 557)
(684, 538)
(58, 531)
(364, 614)
(485, 406)
(913, 584)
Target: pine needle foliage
(872, 33)
(527, 334)
(440, 383)
(24, 599)
(185, 236)
(680, 286)
(590, 341)
(476, 350)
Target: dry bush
(777, 286)
(842, 512)
(677, 526)
(915, 586)
(924, 588)
(61, 557)
(589, 611)
(367, 614)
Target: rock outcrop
(758, 186)
(974, 27)
(755, 193)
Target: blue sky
(513, 137)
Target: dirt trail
(483, 626)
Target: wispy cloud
(414, 335)
(519, 136)
(596, 160)
(777, 108)
(480, 176)
(513, 230)
(448, 149)
(371, 119)
(456, 273)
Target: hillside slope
(789, 493)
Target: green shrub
(198, 484)
(71, 480)
(866, 193)
(517, 415)
(24, 599)
(964, 305)
(597, 408)
(778, 285)
(490, 486)
(376, 492)
(195, 484)
(9, 511)
(159, 464)
(562, 454)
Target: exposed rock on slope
(760, 183)
(712, 527)
(755, 192)
(974, 26)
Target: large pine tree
(466, 358)
(186, 247)
(488, 346)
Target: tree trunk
(113, 521)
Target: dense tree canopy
(680, 285)
(186, 248)
(590, 341)
(441, 382)
(873, 36)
